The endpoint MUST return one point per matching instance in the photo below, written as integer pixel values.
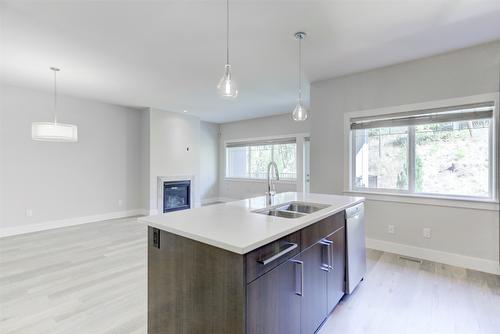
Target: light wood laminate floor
(91, 279)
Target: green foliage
(450, 158)
(419, 174)
(400, 141)
(402, 181)
(460, 154)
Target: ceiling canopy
(169, 54)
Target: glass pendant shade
(52, 131)
(300, 113)
(227, 87)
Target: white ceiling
(170, 54)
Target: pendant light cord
(55, 96)
(300, 69)
(227, 32)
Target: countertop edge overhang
(234, 226)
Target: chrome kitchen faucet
(271, 187)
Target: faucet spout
(271, 188)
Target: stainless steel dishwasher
(356, 252)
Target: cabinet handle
(291, 247)
(301, 263)
(331, 255)
(329, 250)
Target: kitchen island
(249, 266)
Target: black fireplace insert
(176, 195)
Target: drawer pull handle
(291, 247)
(301, 291)
(329, 249)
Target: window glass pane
(381, 158)
(252, 161)
(260, 156)
(453, 158)
(285, 156)
(237, 163)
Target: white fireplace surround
(192, 188)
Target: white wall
(174, 150)
(118, 157)
(145, 158)
(170, 136)
(255, 128)
(209, 161)
(60, 181)
(458, 231)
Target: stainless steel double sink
(292, 209)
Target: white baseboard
(453, 259)
(15, 230)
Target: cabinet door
(314, 298)
(273, 300)
(336, 275)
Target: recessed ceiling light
(185, 111)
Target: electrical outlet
(120, 203)
(391, 229)
(29, 213)
(426, 232)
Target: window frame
(298, 139)
(349, 152)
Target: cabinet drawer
(267, 257)
(317, 231)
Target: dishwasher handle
(354, 211)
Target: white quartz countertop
(234, 227)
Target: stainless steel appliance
(356, 252)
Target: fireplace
(176, 195)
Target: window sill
(468, 203)
(241, 179)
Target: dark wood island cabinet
(287, 286)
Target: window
(250, 159)
(382, 158)
(445, 152)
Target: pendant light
(300, 112)
(227, 87)
(54, 131)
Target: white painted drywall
(279, 125)
(59, 181)
(145, 158)
(174, 150)
(168, 54)
(209, 161)
(466, 72)
(120, 153)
